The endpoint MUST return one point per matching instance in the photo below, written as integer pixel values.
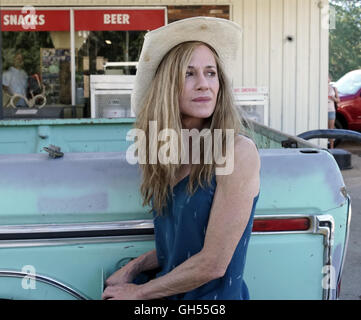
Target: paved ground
(351, 279)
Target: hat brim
(224, 36)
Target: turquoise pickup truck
(67, 223)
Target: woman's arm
(231, 208)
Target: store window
(108, 44)
(35, 62)
(78, 62)
(50, 56)
(112, 56)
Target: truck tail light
(273, 225)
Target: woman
(202, 220)
(333, 99)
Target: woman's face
(198, 98)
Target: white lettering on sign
(116, 18)
(18, 20)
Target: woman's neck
(193, 123)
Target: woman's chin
(201, 113)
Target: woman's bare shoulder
(243, 144)
(245, 153)
(246, 161)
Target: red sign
(30, 19)
(117, 20)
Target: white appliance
(119, 67)
(110, 96)
(253, 103)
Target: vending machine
(110, 96)
(253, 102)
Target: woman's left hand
(124, 291)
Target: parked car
(66, 224)
(349, 109)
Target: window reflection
(104, 53)
(36, 65)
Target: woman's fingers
(107, 294)
(110, 292)
(116, 278)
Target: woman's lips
(202, 99)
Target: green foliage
(345, 39)
(29, 44)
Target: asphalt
(351, 276)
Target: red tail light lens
(272, 225)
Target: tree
(345, 39)
(29, 44)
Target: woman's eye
(207, 73)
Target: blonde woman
(202, 215)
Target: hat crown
(224, 36)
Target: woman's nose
(202, 83)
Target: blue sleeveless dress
(180, 233)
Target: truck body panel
(76, 219)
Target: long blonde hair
(161, 104)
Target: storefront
(284, 50)
(65, 46)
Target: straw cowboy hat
(224, 36)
